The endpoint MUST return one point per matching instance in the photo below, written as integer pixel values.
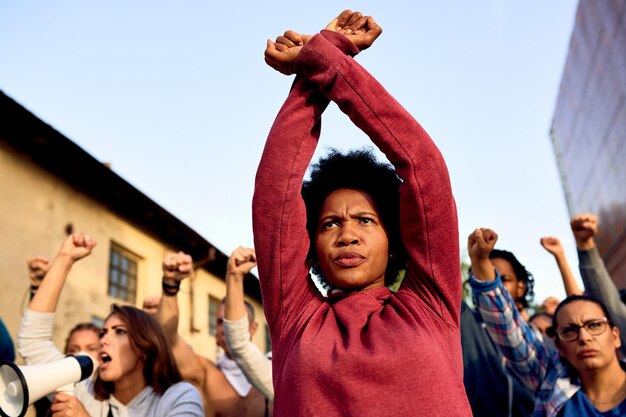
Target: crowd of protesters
(357, 226)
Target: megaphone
(20, 386)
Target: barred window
(123, 274)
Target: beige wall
(35, 208)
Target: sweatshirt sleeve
(281, 240)
(255, 365)
(599, 285)
(34, 339)
(427, 212)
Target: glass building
(589, 126)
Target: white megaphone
(20, 386)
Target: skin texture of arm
(34, 339)
(553, 245)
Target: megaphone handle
(66, 389)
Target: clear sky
(177, 97)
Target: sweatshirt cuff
(484, 286)
(344, 44)
(585, 256)
(331, 46)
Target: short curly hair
(521, 273)
(356, 169)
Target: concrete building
(50, 187)
(589, 126)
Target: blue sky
(177, 97)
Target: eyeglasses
(594, 327)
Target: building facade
(50, 187)
(589, 126)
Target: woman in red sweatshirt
(363, 350)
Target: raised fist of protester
(552, 245)
(281, 54)
(77, 246)
(480, 243)
(37, 269)
(584, 226)
(241, 261)
(361, 30)
(177, 266)
(151, 304)
(549, 305)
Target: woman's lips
(349, 259)
(587, 353)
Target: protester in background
(224, 388)
(586, 379)
(542, 322)
(254, 364)
(137, 375)
(84, 337)
(491, 390)
(363, 351)
(596, 278)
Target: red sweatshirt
(372, 352)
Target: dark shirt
(491, 390)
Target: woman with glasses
(585, 378)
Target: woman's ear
(616, 337)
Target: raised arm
(253, 363)
(176, 267)
(428, 212)
(507, 329)
(554, 246)
(596, 278)
(34, 340)
(37, 269)
(279, 214)
(74, 248)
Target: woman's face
(516, 287)
(351, 242)
(587, 352)
(118, 359)
(87, 341)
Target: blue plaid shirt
(539, 367)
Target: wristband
(169, 288)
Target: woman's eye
(329, 224)
(594, 325)
(120, 331)
(568, 331)
(366, 220)
(101, 334)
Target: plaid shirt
(539, 367)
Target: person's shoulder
(181, 398)
(181, 389)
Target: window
(123, 274)
(214, 306)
